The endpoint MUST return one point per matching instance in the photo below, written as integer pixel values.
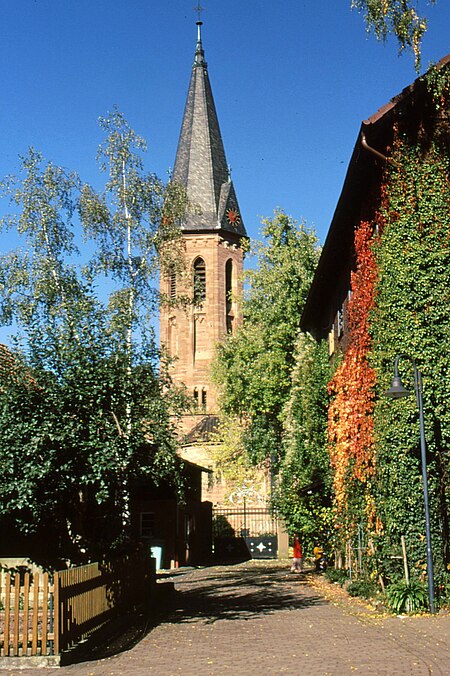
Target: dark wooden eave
(332, 277)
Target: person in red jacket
(297, 561)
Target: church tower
(213, 234)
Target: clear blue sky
(292, 81)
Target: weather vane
(199, 9)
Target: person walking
(297, 561)
(318, 553)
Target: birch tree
(403, 19)
(90, 411)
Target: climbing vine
(400, 304)
(350, 417)
(412, 316)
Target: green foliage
(407, 597)
(64, 454)
(88, 412)
(398, 18)
(339, 575)
(302, 493)
(131, 222)
(232, 462)
(366, 589)
(442, 590)
(413, 317)
(438, 84)
(253, 367)
(275, 381)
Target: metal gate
(241, 533)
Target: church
(213, 234)
(214, 241)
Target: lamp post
(397, 391)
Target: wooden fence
(43, 615)
(27, 618)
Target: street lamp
(397, 391)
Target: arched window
(228, 298)
(204, 399)
(228, 280)
(199, 280)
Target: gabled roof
(200, 163)
(332, 277)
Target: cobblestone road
(257, 618)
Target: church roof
(200, 163)
(203, 431)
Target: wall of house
(179, 534)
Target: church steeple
(212, 235)
(200, 163)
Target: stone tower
(213, 233)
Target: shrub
(337, 575)
(407, 597)
(363, 588)
(443, 590)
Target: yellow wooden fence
(42, 615)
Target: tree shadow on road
(239, 593)
(234, 592)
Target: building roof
(332, 277)
(200, 163)
(203, 431)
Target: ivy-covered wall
(400, 304)
(350, 414)
(412, 316)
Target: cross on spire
(199, 9)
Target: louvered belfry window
(173, 284)
(199, 280)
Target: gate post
(283, 540)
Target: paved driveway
(257, 618)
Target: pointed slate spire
(200, 163)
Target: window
(228, 282)
(172, 336)
(196, 395)
(173, 284)
(331, 345)
(341, 322)
(204, 393)
(199, 281)
(147, 529)
(228, 299)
